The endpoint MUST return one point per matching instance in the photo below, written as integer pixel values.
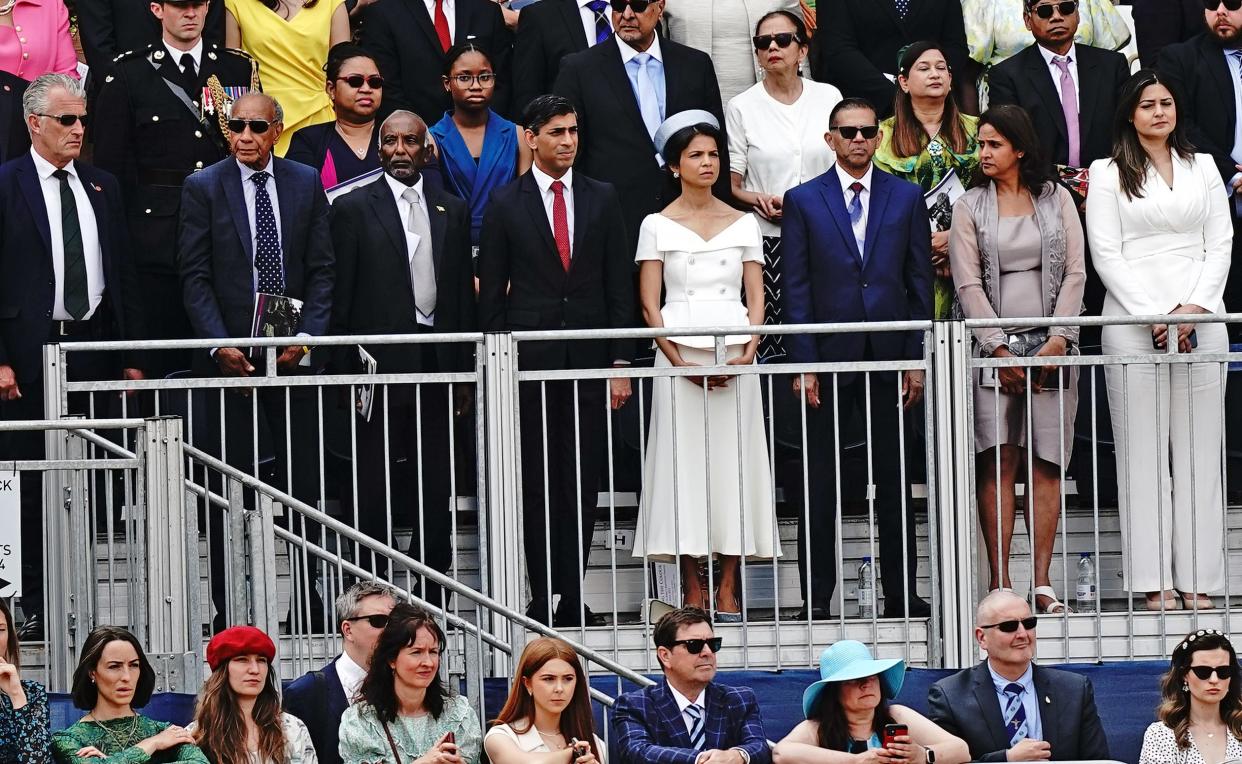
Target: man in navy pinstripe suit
(688, 718)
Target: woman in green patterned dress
(112, 678)
(406, 712)
(926, 139)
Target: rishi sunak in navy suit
(857, 248)
(688, 714)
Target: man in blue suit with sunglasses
(688, 718)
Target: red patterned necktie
(442, 27)
(560, 222)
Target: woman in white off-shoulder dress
(707, 486)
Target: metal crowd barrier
(275, 521)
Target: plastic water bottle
(1085, 599)
(866, 589)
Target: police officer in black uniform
(151, 131)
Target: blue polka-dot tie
(267, 239)
(903, 7)
(1015, 713)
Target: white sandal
(1056, 607)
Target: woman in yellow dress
(290, 40)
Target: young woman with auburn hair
(547, 718)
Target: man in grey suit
(1009, 709)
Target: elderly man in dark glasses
(152, 131)
(1040, 714)
(255, 225)
(319, 698)
(688, 717)
(1205, 75)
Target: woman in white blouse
(1160, 235)
(776, 141)
(1200, 713)
(547, 718)
(707, 486)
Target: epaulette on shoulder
(133, 53)
(234, 51)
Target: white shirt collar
(196, 52)
(682, 701)
(246, 172)
(1027, 680)
(627, 52)
(585, 3)
(398, 188)
(44, 168)
(544, 180)
(848, 180)
(1048, 55)
(350, 674)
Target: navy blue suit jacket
(648, 727)
(827, 280)
(318, 699)
(215, 248)
(27, 281)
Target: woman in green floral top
(406, 712)
(926, 139)
(113, 676)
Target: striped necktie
(694, 713)
(1015, 713)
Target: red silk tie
(560, 222)
(442, 27)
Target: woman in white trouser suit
(1160, 232)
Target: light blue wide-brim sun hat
(850, 659)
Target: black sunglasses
(695, 646)
(639, 6)
(1230, 5)
(68, 120)
(257, 126)
(1205, 672)
(374, 81)
(1066, 8)
(849, 132)
(782, 40)
(1010, 627)
(377, 621)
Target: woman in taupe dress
(1016, 250)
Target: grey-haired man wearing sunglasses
(319, 698)
(1009, 709)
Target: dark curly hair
(1174, 708)
(378, 689)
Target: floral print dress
(24, 734)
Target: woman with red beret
(238, 719)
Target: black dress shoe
(918, 608)
(538, 611)
(569, 614)
(819, 614)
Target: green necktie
(77, 301)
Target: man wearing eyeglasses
(250, 224)
(152, 132)
(319, 698)
(64, 277)
(688, 718)
(1007, 708)
(1205, 73)
(857, 247)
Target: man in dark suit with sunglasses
(151, 132)
(1205, 73)
(256, 223)
(1007, 708)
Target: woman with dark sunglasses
(928, 139)
(849, 713)
(346, 147)
(776, 141)
(722, 29)
(1200, 713)
(479, 149)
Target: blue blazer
(827, 280)
(215, 248)
(27, 281)
(648, 727)
(318, 699)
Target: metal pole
(503, 520)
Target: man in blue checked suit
(688, 718)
